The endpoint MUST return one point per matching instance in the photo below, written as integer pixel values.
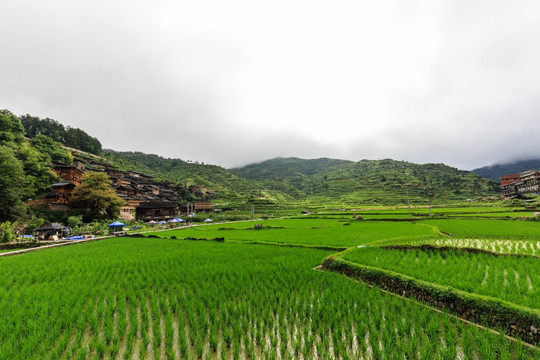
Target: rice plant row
(133, 298)
(512, 278)
(488, 228)
(505, 246)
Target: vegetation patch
(219, 239)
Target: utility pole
(408, 201)
(428, 193)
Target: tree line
(25, 174)
(72, 137)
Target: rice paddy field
(254, 297)
(339, 232)
(512, 278)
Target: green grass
(166, 298)
(308, 231)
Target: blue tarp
(78, 237)
(116, 224)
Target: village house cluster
(143, 196)
(516, 185)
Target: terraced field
(340, 232)
(511, 278)
(132, 298)
(252, 297)
(489, 228)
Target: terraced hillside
(365, 181)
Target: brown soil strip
(442, 249)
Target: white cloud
(450, 81)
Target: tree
(39, 176)
(35, 126)
(53, 149)
(96, 196)
(72, 137)
(12, 185)
(7, 236)
(11, 129)
(73, 221)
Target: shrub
(73, 221)
(7, 236)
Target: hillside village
(517, 185)
(144, 198)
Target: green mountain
(281, 180)
(367, 181)
(495, 171)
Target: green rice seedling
(213, 340)
(100, 349)
(130, 341)
(227, 337)
(113, 350)
(82, 353)
(283, 348)
(223, 353)
(236, 350)
(199, 346)
(184, 347)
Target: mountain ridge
(364, 180)
(295, 179)
(495, 171)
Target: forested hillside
(24, 170)
(215, 181)
(382, 181)
(494, 172)
(72, 137)
(25, 173)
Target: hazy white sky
(234, 82)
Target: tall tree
(72, 137)
(12, 185)
(39, 176)
(52, 149)
(96, 196)
(11, 129)
(35, 126)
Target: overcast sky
(240, 81)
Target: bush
(73, 221)
(7, 236)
